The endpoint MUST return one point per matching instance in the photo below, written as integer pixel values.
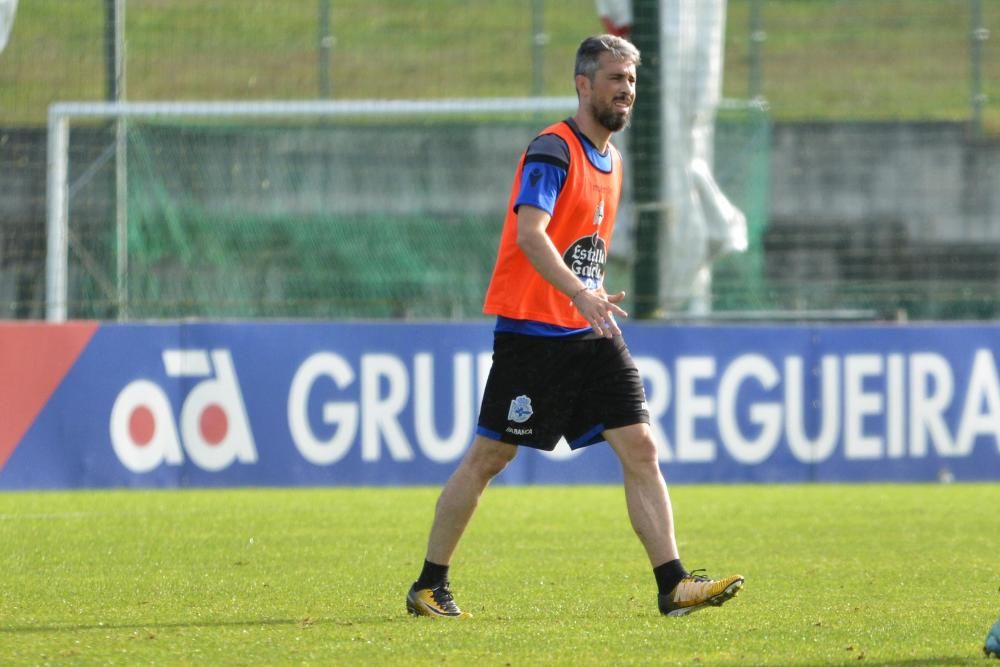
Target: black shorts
(543, 388)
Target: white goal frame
(61, 113)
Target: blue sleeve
(541, 184)
(546, 163)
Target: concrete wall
(926, 176)
(901, 219)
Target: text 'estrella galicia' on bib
(586, 257)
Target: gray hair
(589, 53)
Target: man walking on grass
(560, 365)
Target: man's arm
(596, 307)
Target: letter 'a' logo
(212, 424)
(520, 410)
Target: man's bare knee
(635, 448)
(487, 458)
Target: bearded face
(615, 115)
(612, 93)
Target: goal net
(309, 210)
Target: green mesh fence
(343, 221)
(297, 222)
(401, 220)
(322, 267)
(742, 169)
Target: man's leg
(645, 491)
(486, 458)
(652, 518)
(459, 498)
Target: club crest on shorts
(520, 410)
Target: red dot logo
(213, 424)
(141, 426)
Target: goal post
(57, 218)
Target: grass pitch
(836, 574)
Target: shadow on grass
(301, 622)
(908, 662)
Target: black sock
(668, 576)
(432, 575)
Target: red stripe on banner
(34, 359)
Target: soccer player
(560, 365)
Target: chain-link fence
(868, 167)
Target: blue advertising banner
(249, 404)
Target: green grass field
(821, 59)
(836, 574)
